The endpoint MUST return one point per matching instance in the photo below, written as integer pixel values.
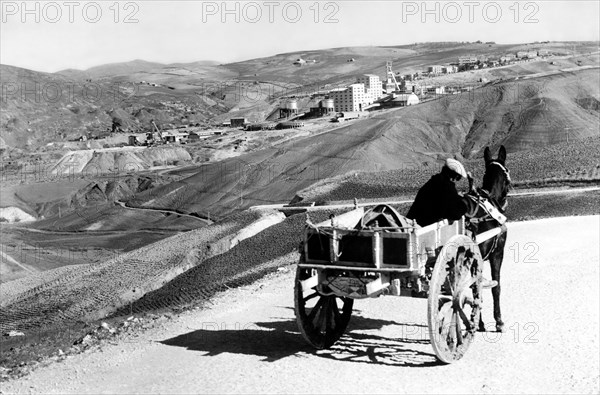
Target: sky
(55, 35)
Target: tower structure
(391, 78)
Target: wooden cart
(345, 259)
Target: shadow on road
(280, 339)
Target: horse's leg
(484, 248)
(496, 264)
(481, 324)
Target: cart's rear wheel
(322, 320)
(454, 303)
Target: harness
(489, 205)
(492, 213)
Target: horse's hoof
(481, 327)
(500, 328)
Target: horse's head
(496, 180)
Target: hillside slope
(341, 65)
(506, 113)
(39, 108)
(524, 114)
(71, 103)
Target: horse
(495, 186)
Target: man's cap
(456, 167)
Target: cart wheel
(454, 303)
(322, 320)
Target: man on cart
(438, 199)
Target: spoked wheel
(321, 319)
(454, 303)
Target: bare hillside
(341, 65)
(522, 115)
(39, 108)
(71, 103)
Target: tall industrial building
(357, 96)
(373, 86)
(351, 98)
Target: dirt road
(124, 205)
(248, 342)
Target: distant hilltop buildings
(473, 62)
(527, 54)
(369, 91)
(302, 62)
(446, 69)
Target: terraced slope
(92, 291)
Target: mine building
(400, 100)
(289, 109)
(290, 125)
(193, 137)
(467, 60)
(373, 85)
(325, 107)
(238, 122)
(435, 69)
(260, 126)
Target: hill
(341, 65)
(522, 115)
(43, 107)
(128, 68)
(112, 69)
(39, 108)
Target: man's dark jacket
(437, 200)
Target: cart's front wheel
(454, 303)
(321, 319)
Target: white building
(175, 136)
(352, 98)
(435, 69)
(507, 58)
(358, 96)
(527, 54)
(470, 59)
(373, 85)
(405, 99)
(410, 86)
(437, 90)
(449, 69)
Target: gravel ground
(247, 340)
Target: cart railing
(337, 244)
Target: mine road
(247, 341)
